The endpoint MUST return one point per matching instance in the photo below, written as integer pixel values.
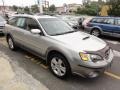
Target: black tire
(96, 32)
(66, 64)
(10, 41)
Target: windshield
(54, 26)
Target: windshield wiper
(69, 32)
(63, 33)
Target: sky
(31, 2)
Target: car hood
(79, 41)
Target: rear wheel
(11, 43)
(95, 32)
(59, 66)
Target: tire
(95, 32)
(11, 43)
(59, 66)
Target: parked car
(85, 22)
(104, 26)
(65, 50)
(74, 21)
(2, 24)
(77, 21)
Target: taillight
(89, 25)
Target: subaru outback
(65, 50)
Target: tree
(52, 8)
(114, 7)
(14, 7)
(90, 9)
(86, 2)
(26, 10)
(20, 10)
(35, 8)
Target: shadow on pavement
(110, 38)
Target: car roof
(33, 16)
(106, 17)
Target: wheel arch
(98, 28)
(8, 35)
(54, 51)
(66, 62)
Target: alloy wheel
(58, 66)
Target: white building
(68, 8)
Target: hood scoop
(86, 38)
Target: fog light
(93, 74)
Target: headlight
(90, 57)
(95, 58)
(84, 56)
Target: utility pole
(40, 6)
(46, 5)
(3, 7)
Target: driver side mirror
(35, 31)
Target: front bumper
(90, 72)
(94, 71)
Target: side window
(109, 21)
(97, 20)
(21, 23)
(32, 24)
(93, 20)
(13, 21)
(118, 22)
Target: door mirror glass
(35, 31)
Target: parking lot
(35, 67)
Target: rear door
(11, 28)
(96, 22)
(18, 30)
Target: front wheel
(59, 66)
(95, 32)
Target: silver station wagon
(65, 51)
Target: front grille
(107, 53)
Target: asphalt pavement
(30, 67)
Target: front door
(35, 42)
(108, 25)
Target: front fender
(96, 27)
(63, 51)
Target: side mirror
(35, 31)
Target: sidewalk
(17, 79)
